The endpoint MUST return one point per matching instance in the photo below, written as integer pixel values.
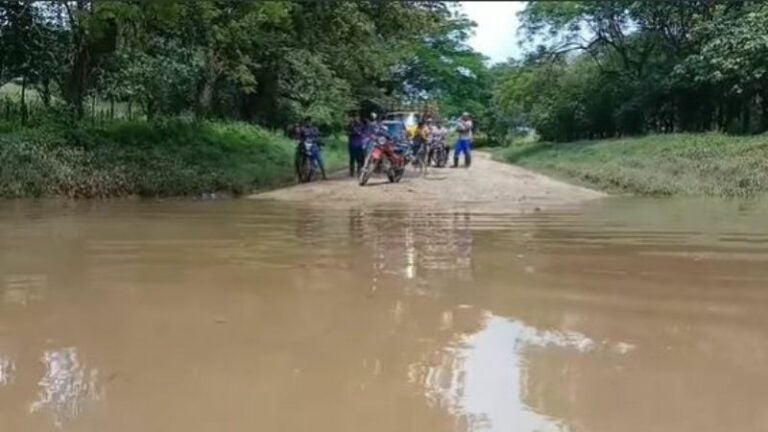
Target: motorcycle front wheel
(305, 171)
(365, 173)
(397, 175)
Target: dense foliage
(156, 158)
(627, 67)
(265, 62)
(120, 97)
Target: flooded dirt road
(623, 315)
(487, 186)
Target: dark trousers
(356, 159)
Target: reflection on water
(7, 371)
(66, 387)
(417, 246)
(24, 289)
(626, 315)
(481, 377)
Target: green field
(710, 164)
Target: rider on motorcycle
(309, 133)
(441, 135)
(371, 129)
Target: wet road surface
(620, 315)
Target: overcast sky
(496, 31)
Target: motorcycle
(383, 157)
(307, 169)
(436, 153)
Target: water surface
(623, 315)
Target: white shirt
(465, 129)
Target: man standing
(355, 133)
(464, 144)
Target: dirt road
(487, 185)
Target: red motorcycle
(383, 158)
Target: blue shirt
(355, 133)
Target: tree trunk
(150, 108)
(76, 83)
(746, 114)
(45, 92)
(24, 101)
(111, 108)
(764, 111)
(206, 87)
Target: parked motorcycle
(306, 167)
(383, 157)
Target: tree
(631, 67)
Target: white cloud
(496, 31)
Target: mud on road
(487, 185)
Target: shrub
(163, 158)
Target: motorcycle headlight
(381, 140)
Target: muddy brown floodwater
(620, 315)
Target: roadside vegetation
(158, 158)
(621, 68)
(110, 98)
(688, 79)
(710, 164)
(76, 73)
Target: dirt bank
(486, 186)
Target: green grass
(164, 158)
(682, 164)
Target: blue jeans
(463, 145)
(317, 158)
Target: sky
(496, 31)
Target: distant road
(488, 185)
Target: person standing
(356, 146)
(309, 133)
(464, 144)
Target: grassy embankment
(163, 158)
(682, 164)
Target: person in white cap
(464, 144)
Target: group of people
(361, 134)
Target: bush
(683, 164)
(163, 158)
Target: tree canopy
(267, 62)
(623, 67)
